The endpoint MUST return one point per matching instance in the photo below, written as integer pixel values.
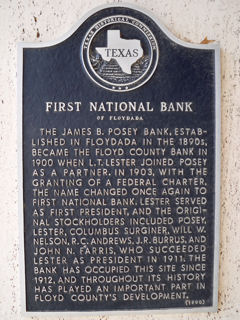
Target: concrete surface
(191, 20)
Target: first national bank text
(110, 106)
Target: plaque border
(217, 156)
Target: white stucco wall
(192, 20)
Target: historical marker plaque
(119, 168)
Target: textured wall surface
(189, 20)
